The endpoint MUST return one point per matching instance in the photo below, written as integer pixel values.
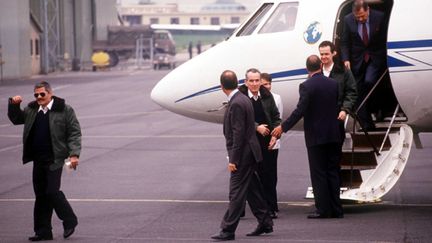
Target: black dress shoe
(261, 229)
(40, 237)
(68, 232)
(318, 216)
(223, 236)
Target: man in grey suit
(244, 153)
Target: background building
(222, 12)
(209, 24)
(42, 36)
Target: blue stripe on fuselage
(391, 61)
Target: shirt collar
(327, 72)
(252, 96)
(47, 108)
(232, 94)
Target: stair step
(361, 141)
(360, 160)
(345, 177)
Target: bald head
(228, 80)
(313, 64)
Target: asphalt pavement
(149, 175)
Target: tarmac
(149, 175)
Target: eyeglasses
(39, 94)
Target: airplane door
(382, 99)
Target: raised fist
(16, 99)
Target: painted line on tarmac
(120, 200)
(290, 203)
(5, 125)
(176, 239)
(120, 114)
(154, 136)
(98, 238)
(10, 147)
(129, 136)
(61, 87)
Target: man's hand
(347, 64)
(342, 115)
(272, 143)
(232, 167)
(263, 129)
(74, 162)
(16, 100)
(277, 132)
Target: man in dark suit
(318, 105)
(244, 153)
(364, 51)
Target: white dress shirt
(46, 108)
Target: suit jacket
(239, 131)
(318, 105)
(352, 46)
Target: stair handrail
(356, 119)
(389, 127)
(371, 91)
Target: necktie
(365, 41)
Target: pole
(45, 51)
(1, 63)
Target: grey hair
(43, 84)
(252, 70)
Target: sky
(194, 5)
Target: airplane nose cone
(163, 92)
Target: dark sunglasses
(39, 94)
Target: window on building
(37, 47)
(235, 20)
(282, 19)
(253, 22)
(175, 21)
(133, 19)
(194, 20)
(31, 47)
(214, 21)
(154, 20)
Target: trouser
(245, 185)
(325, 176)
(366, 78)
(267, 171)
(46, 185)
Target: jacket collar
(58, 104)
(264, 92)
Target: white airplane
(278, 37)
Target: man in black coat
(364, 51)
(51, 134)
(267, 117)
(318, 106)
(243, 155)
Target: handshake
(276, 134)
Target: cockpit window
(255, 20)
(282, 19)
